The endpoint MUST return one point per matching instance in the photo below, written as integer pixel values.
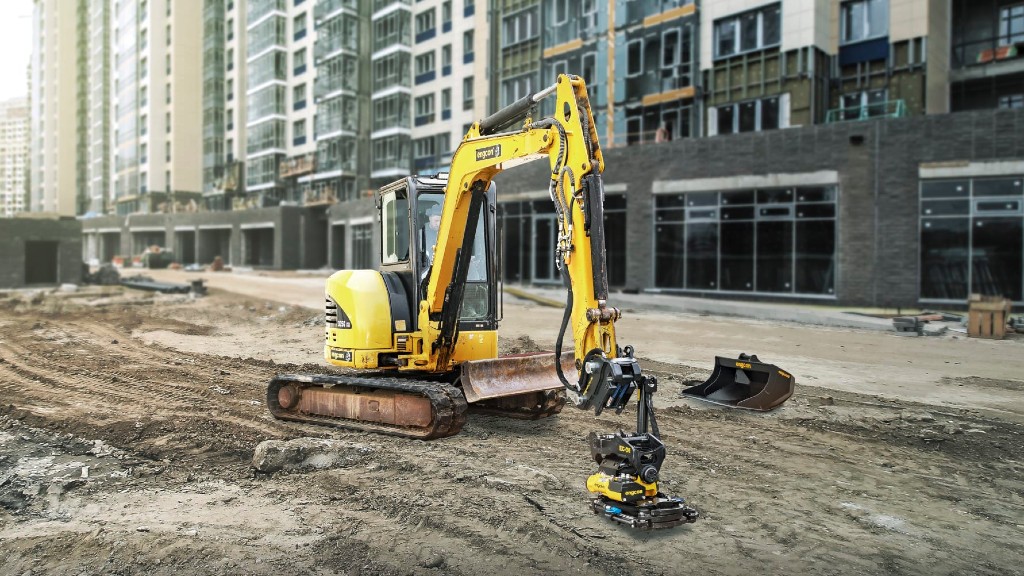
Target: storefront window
(773, 241)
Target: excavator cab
(410, 217)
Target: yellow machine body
(621, 490)
(365, 334)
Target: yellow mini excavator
(420, 334)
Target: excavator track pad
(648, 514)
(384, 404)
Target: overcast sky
(16, 43)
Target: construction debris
(140, 282)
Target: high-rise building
(445, 73)
(99, 133)
(516, 50)
(338, 133)
(13, 155)
(391, 88)
(638, 59)
(158, 116)
(58, 158)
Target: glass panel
(702, 199)
(395, 230)
(944, 258)
(816, 211)
(726, 32)
(776, 196)
(748, 31)
(748, 116)
(737, 256)
(815, 250)
(744, 197)
(774, 256)
(702, 256)
(946, 189)
(725, 119)
(824, 194)
(945, 207)
(670, 250)
(615, 247)
(996, 257)
(770, 114)
(739, 213)
(476, 299)
(772, 25)
(998, 187)
(543, 254)
(512, 240)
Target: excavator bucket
(527, 383)
(745, 382)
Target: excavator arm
(569, 141)
(625, 486)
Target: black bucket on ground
(745, 382)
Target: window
(754, 30)
(143, 67)
(143, 96)
(446, 16)
(230, 89)
(299, 62)
(168, 93)
(230, 29)
(751, 116)
(767, 240)
(515, 88)
(299, 97)
(231, 59)
(143, 153)
(167, 63)
(864, 19)
(425, 67)
(561, 12)
(467, 93)
(426, 27)
(971, 238)
(446, 104)
(670, 48)
(168, 27)
(299, 26)
(424, 108)
(1011, 24)
(446, 59)
(635, 58)
(467, 47)
(1012, 101)
(167, 119)
(863, 105)
(299, 132)
(519, 27)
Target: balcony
(326, 7)
(382, 4)
(657, 81)
(988, 51)
(636, 11)
(887, 109)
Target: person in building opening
(662, 134)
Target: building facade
(13, 156)
(56, 102)
(158, 159)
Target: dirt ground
(128, 423)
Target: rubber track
(448, 403)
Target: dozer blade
(522, 386)
(745, 382)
